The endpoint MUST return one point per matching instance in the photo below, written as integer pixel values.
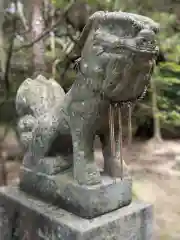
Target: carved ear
(92, 22)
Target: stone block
(25, 217)
(83, 200)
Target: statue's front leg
(85, 170)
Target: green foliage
(59, 3)
(169, 98)
(167, 74)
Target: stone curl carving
(116, 64)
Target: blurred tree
(37, 28)
(166, 82)
(155, 111)
(2, 50)
(57, 46)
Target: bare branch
(3, 158)
(46, 32)
(8, 61)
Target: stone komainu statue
(116, 64)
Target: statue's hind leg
(43, 135)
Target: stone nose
(147, 34)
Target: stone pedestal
(87, 201)
(25, 217)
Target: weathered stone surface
(57, 131)
(35, 97)
(83, 200)
(116, 64)
(32, 219)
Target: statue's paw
(90, 175)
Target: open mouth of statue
(146, 47)
(142, 48)
(145, 42)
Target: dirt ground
(154, 181)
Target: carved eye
(141, 40)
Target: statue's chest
(126, 81)
(137, 72)
(125, 74)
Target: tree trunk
(37, 29)
(2, 51)
(117, 5)
(155, 112)
(3, 170)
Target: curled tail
(35, 98)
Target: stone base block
(83, 200)
(24, 217)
